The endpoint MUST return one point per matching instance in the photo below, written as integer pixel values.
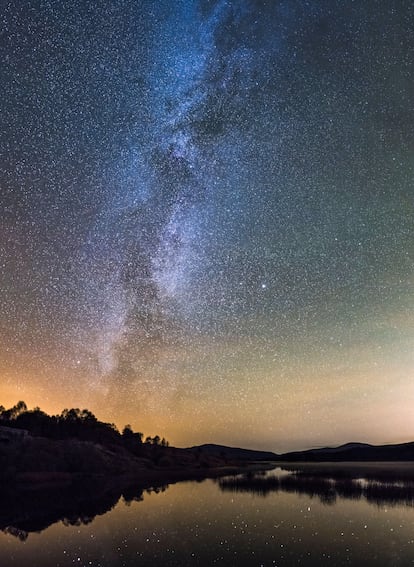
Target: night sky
(207, 216)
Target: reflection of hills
(23, 511)
(327, 486)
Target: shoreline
(33, 480)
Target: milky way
(207, 214)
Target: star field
(207, 217)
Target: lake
(243, 521)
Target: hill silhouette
(235, 452)
(354, 452)
(38, 448)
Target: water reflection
(376, 484)
(25, 509)
(96, 524)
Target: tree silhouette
(127, 431)
(13, 412)
(75, 423)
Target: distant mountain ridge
(234, 452)
(329, 450)
(353, 451)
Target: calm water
(193, 523)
